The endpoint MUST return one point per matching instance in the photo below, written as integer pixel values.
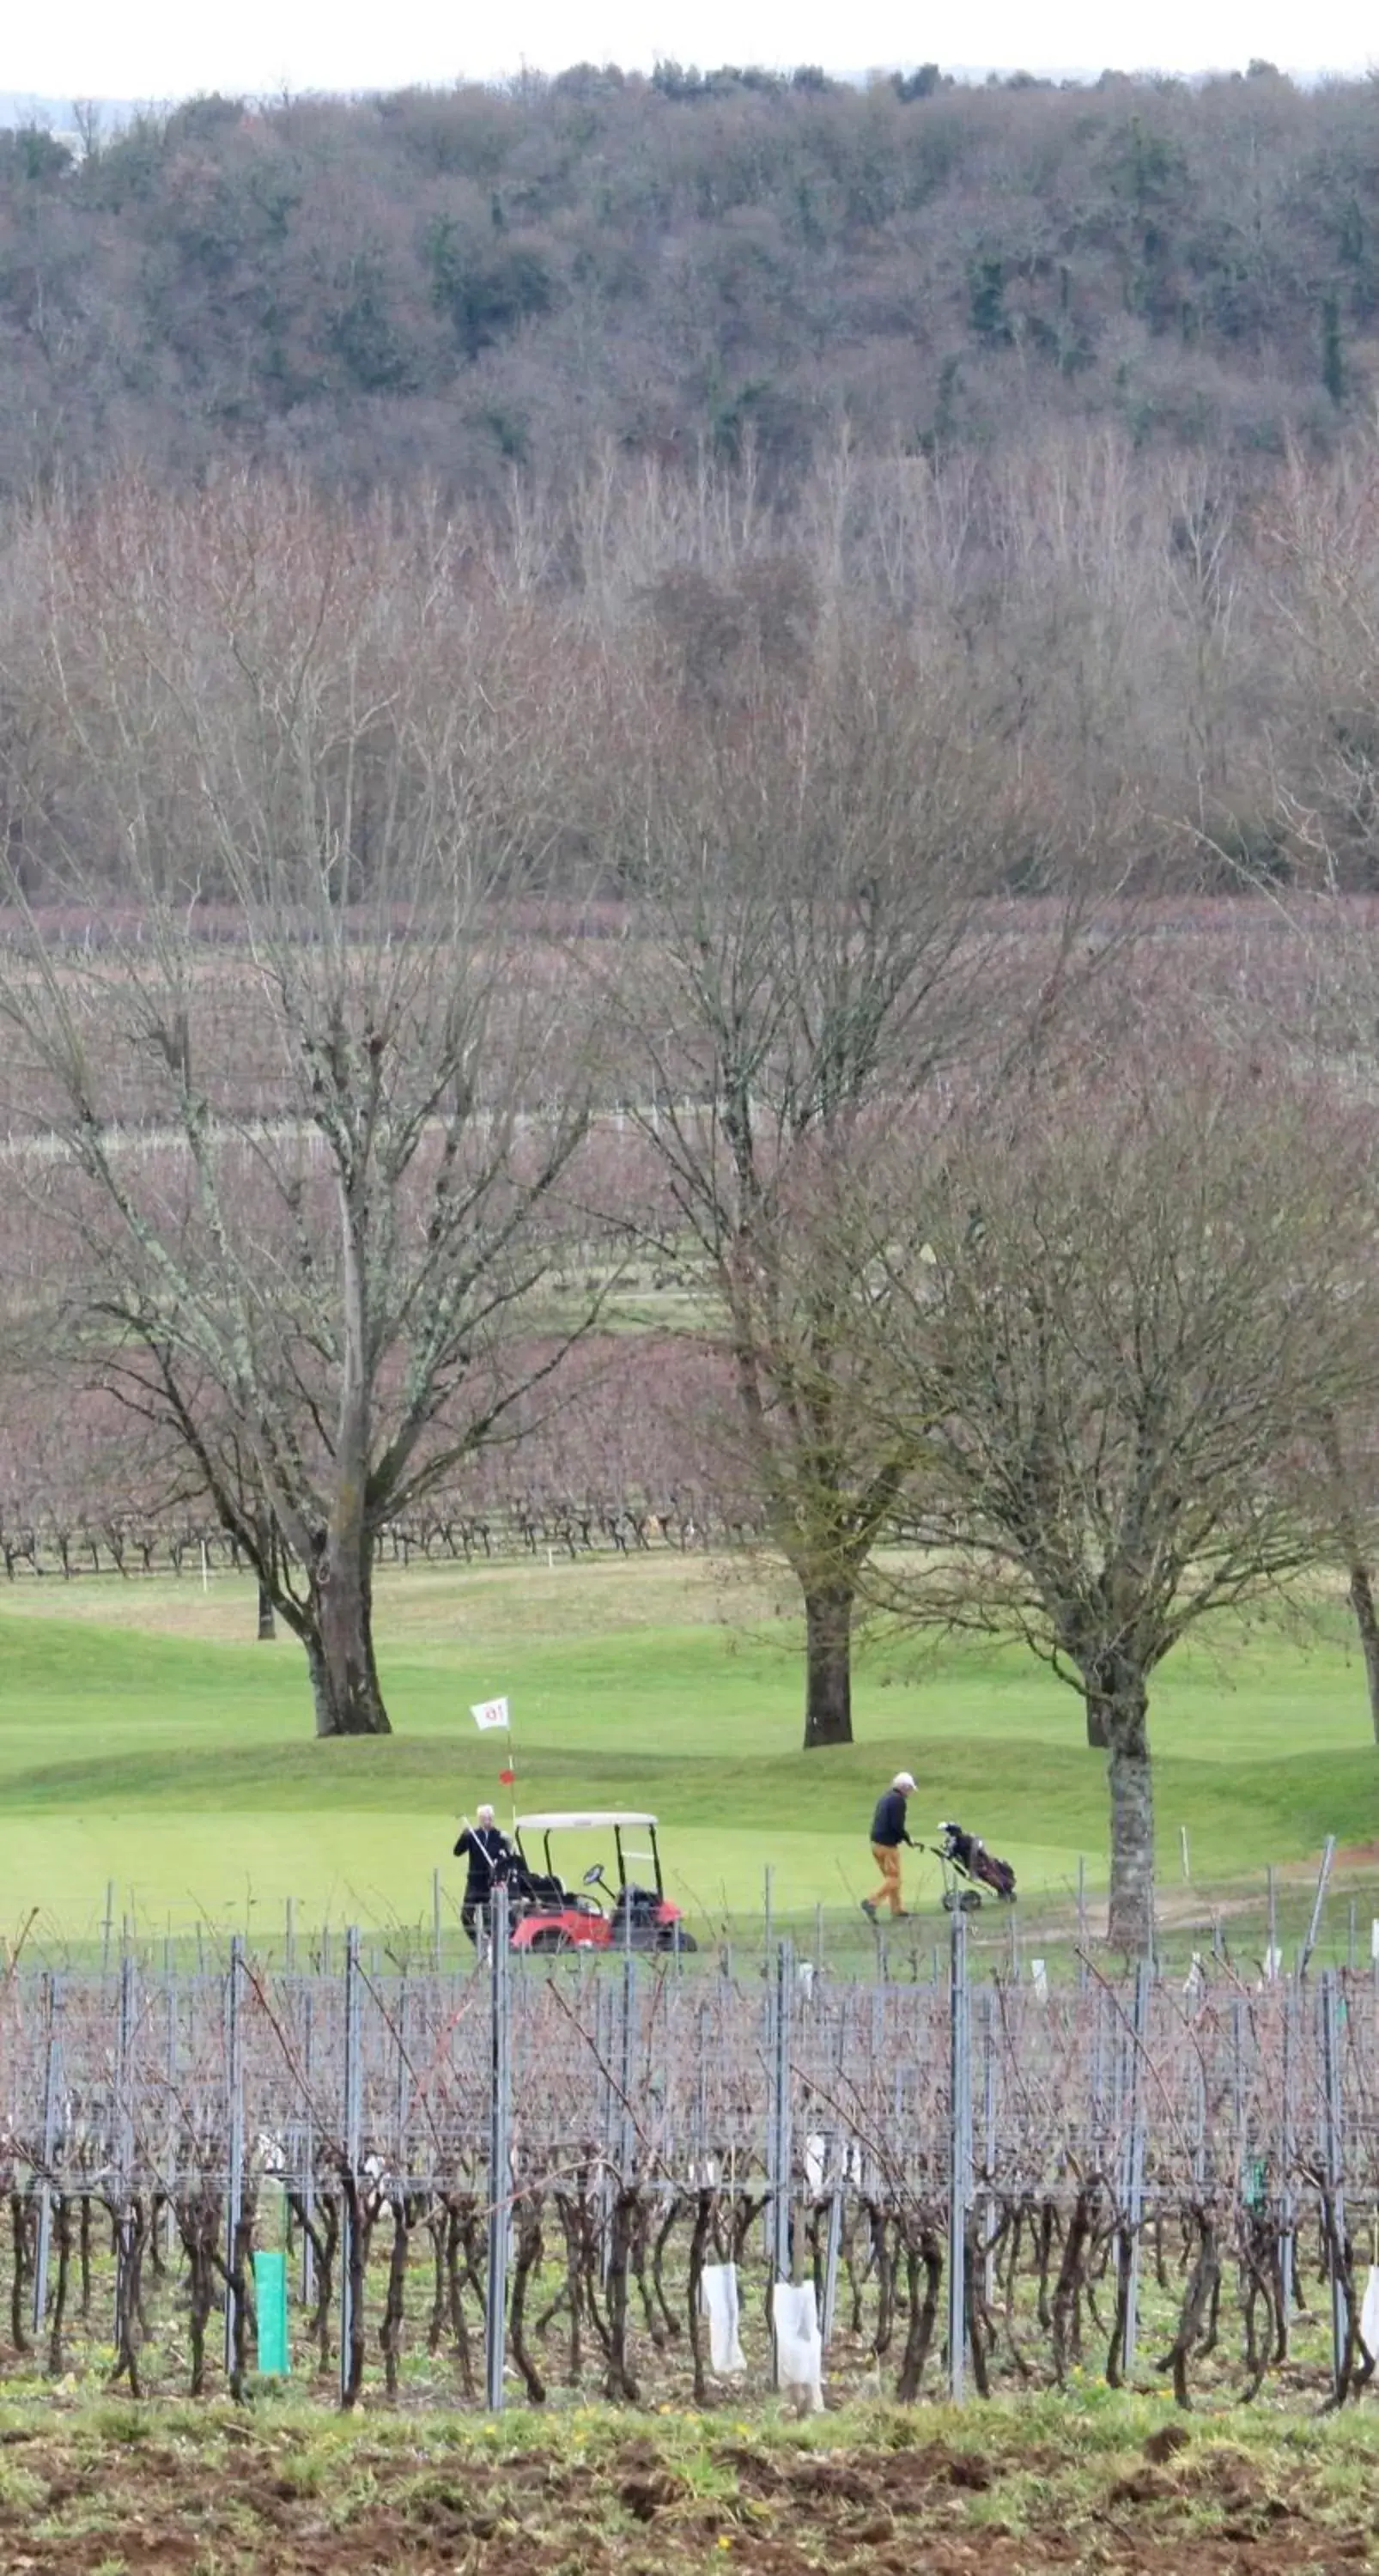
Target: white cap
(903, 1782)
(484, 1814)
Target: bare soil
(261, 2500)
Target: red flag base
(506, 1779)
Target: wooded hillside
(448, 282)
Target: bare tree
(1316, 872)
(1118, 1328)
(821, 825)
(301, 1083)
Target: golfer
(489, 1855)
(887, 1834)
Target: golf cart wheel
(963, 1900)
(666, 1940)
(550, 1940)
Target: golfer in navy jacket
(887, 1834)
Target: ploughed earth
(94, 2488)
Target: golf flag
(489, 1712)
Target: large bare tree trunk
(1121, 1703)
(339, 1650)
(344, 1677)
(828, 1665)
(1361, 1586)
(267, 1561)
(1362, 1602)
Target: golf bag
(970, 1861)
(533, 1890)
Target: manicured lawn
(148, 1741)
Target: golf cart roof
(582, 1820)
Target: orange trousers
(887, 1859)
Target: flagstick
(511, 1765)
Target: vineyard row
(67, 1549)
(521, 2180)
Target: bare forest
(453, 283)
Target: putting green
(149, 1743)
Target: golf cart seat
(539, 1890)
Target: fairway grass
(149, 1742)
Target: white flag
(490, 1712)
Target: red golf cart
(548, 1915)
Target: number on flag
(489, 1712)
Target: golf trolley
(969, 1869)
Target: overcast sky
(156, 49)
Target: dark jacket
(888, 1823)
(488, 1853)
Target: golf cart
(548, 1915)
